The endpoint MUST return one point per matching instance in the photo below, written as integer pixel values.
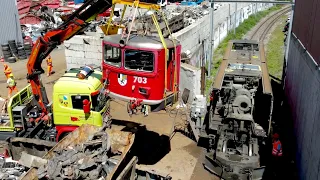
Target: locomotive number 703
(140, 80)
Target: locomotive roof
(139, 41)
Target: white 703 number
(140, 80)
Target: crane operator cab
(136, 70)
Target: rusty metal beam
(248, 1)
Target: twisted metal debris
(92, 159)
(10, 170)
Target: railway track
(263, 28)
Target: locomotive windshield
(112, 55)
(139, 60)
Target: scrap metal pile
(10, 170)
(91, 160)
(144, 23)
(177, 19)
(191, 14)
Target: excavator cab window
(77, 101)
(112, 55)
(139, 60)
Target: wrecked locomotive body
(241, 99)
(237, 146)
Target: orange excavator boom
(73, 24)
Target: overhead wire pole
(235, 19)
(256, 9)
(211, 45)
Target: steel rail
(267, 29)
(274, 16)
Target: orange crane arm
(44, 45)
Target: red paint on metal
(306, 26)
(106, 13)
(154, 80)
(74, 119)
(63, 129)
(95, 93)
(29, 19)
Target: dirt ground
(19, 70)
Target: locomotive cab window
(139, 60)
(112, 55)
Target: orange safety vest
(7, 70)
(277, 148)
(49, 61)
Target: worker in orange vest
(49, 64)
(7, 70)
(276, 155)
(276, 146)
(12, 85)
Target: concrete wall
(194, 35)
(190, 78)
(83, 50)
(302, 84)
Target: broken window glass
(139, 60)
(112, 55)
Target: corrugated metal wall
(302, 84)
(306, 25)
(303, 93)
(9, 22)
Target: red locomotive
(137, 70)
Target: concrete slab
(190, 78)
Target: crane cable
(155, 21)
(175, 59)
(110, 18)
(122, 15)
(135, 3)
